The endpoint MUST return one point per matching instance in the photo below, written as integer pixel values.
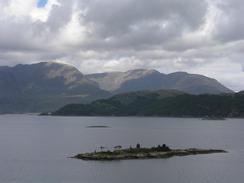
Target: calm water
(35, 149)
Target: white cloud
(42, 14)
(197, 36)
(19, 9)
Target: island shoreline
(160, 152)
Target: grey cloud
(127, 24)
(138, 23)
(60, 15)
(231, 24)
(120, 15)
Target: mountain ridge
(44, 86)
(47, 86)
(143, 79)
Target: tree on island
(102, 148)
(138, 146)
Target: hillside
(168, 103)
(44, 86)
(141, 79)
(47, 86)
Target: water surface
(35, 149)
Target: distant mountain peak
(149, 79)
(43, 86)
(112, 81)
(137, 73)
(144, 71)
(47, 64)
(180, 73)
(58, 64)
(52, 70)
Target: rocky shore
(144, 153)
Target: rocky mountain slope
(44, 86)
(141, 79)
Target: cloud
(199, 36)
(230, 24)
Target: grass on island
(138, 152)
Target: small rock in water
(98, 126)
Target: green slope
(161, 103)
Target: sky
(41, 3)
(197, 36)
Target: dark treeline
(161, 103)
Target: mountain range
(47, 86)
(142, 79)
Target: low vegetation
(138, 152)
(168, 103)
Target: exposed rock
(143, 79)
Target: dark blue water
(36, 149)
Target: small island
(138, 152)
(98, 126)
